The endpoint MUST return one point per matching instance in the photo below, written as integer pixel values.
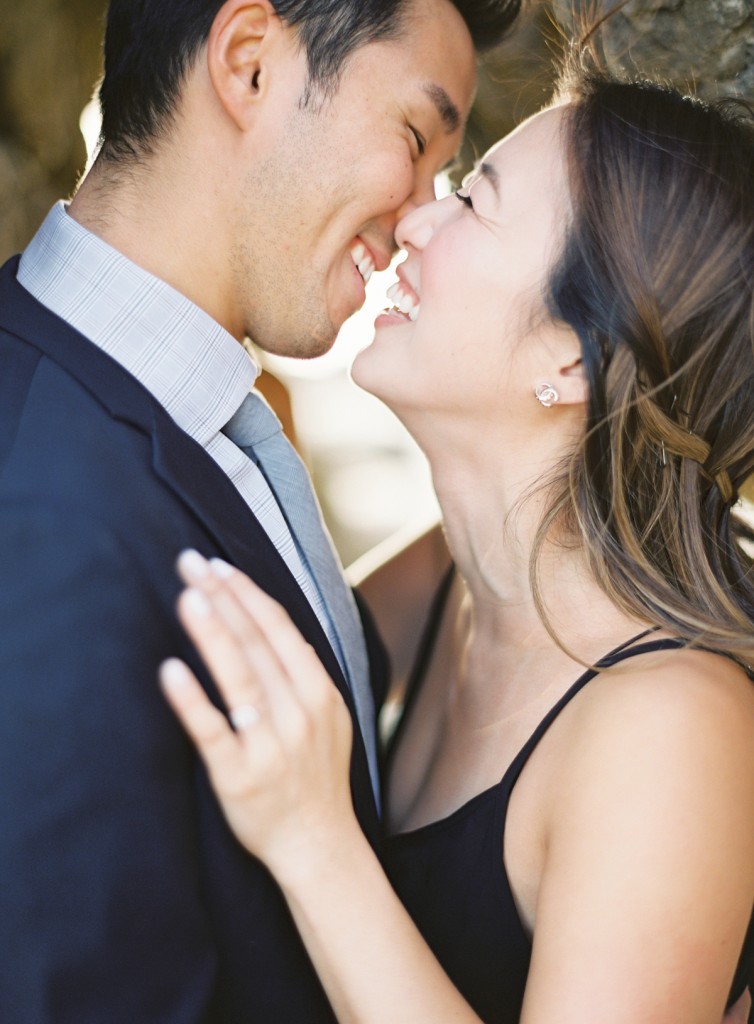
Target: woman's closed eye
(465, 198)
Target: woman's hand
(282, 776)
(282, 780)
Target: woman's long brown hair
(656, 278)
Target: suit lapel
(180, 462)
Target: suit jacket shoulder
(125, 897)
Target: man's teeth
(404, 303)
(362, 260)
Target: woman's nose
(417, 227)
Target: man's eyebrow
(449, 112)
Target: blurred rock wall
(704, 46)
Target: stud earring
(546, 395)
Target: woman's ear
(572, 384)
(562, 368)
(240, 47)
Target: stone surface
(702, 45)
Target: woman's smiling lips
(405, 300)
(406, 305)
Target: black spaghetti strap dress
(450, 874)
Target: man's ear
(239, 47)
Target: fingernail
(193, 565)
(221, 569)
(197, 603)
(174, 674)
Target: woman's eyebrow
(489, 171)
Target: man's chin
(306, 345)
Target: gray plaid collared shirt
(192, 366)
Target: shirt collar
(192, 365)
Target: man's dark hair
(150, 46)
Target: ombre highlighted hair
(656, 278)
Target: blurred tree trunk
(515, 79)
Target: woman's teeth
(407, 304)
(362, 260)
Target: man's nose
(422, 193)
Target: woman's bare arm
(282, 779)
(648, 882)
(650, 868)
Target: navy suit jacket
(123, 895)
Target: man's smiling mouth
(362, 260)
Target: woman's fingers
(275, 685)
(259, 623)
(298, 659)
(243, 766)
(234, 644)
(284, 771)
(218, 647)
(212, 579)
(235, 649)
(207, 727)
(309, 696)
(256, 653)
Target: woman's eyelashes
(464, 198)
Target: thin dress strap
(621, 653)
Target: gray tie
(256, 429)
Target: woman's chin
(363, 371)
(377, 371)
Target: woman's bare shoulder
(689, 686)
(649, 870)
(665, 723)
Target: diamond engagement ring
(243, 717)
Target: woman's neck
(491, 519)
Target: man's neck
(150, 214)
